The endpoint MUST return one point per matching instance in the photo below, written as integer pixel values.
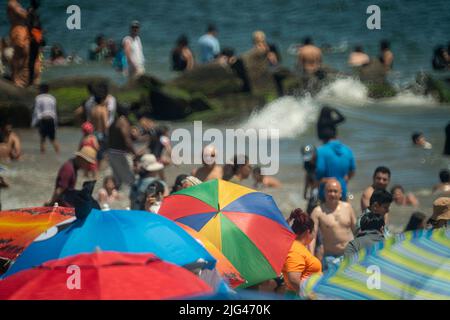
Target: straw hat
(87, 153)
(149, 163)
(192, 180)
(441, 209)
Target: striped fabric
(413, 265)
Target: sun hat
(149, 163)
(192, 180)
(87, 153)
(441, 209)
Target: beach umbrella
(413, 265)
(245, 225)
(104, 276)
(118, 230)
(224, 267)
(19, 227)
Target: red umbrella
(104, 276)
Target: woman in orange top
(300, 263)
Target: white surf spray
(290, 115)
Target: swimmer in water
(419, 140)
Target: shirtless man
(20, 39)
(381, 178)
(210, 170)
(358, 58)
(264, 181)
(386, 55)
(336, 221)
(99, 118)
(443, 188)
(10, 147)
(309, 57)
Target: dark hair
(159, 187)
(257, 170)
(384, 44)
(228, 52)
(122, 111)
(328, 133)
(35, 4)
(358, 48)
(182, 41)
(381, 196)
(101, 91)
(44, 88)
(302, 222)
(99, 37)
(382, 169)
(444, 176)
(307, 40)
(397, 186)
(107, 178)
(178, 182)
(212, 28)
(237, 162)
(371, 221)
(414, 222)
(56, 51)
(415, 136)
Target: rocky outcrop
(16, 103)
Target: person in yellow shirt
(300, 263)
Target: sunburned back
(336, 228)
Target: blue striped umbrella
(413, 265)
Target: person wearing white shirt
(45, 117)
(132, 46)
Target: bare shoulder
(317, 212)
(368, 191)
(347, 206)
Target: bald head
(333, 190)
(209, 155)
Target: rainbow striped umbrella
(414, 265)
(245, 225)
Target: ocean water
(378, 131)
(414, 28)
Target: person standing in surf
(132, 46)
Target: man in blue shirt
(209, 45)
(334, 160)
